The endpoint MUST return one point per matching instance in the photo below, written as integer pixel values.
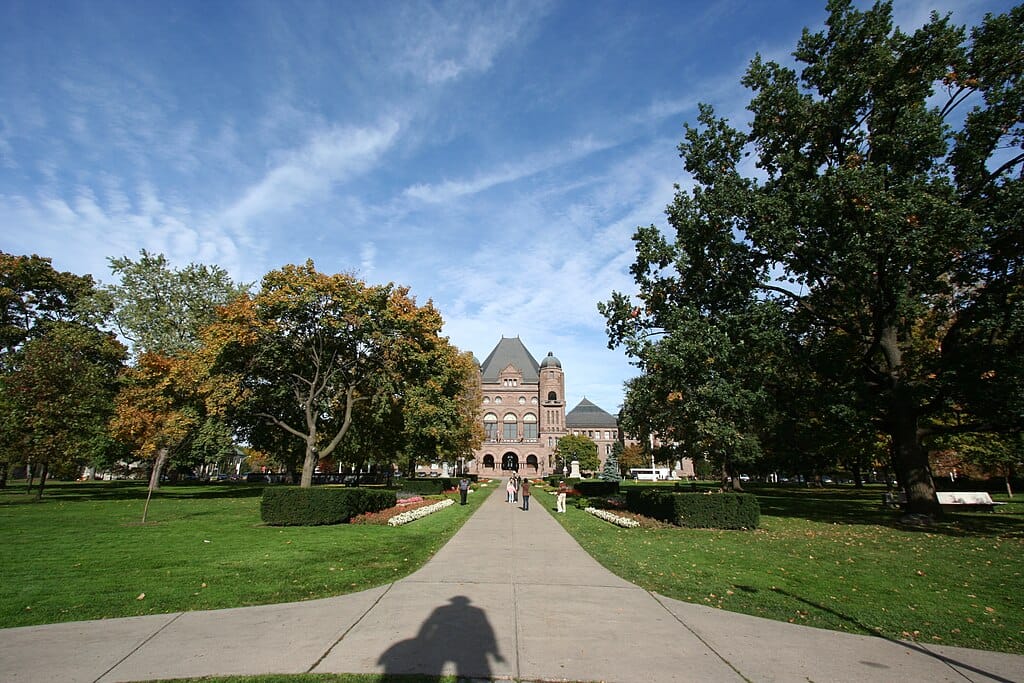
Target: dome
(551, 361)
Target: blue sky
(495, 157)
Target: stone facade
(524, 414)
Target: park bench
(947, 499)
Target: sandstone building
(524, 414)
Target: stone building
(524, 414)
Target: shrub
(581, 503)
(295, 506)
(427, 486)
(697, 510)
(597, 488)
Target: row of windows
(510, 426)
(521, 400)
(595, 434)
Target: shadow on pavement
(458, 633)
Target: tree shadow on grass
(864, 507)
(127, 490)
(864, 629)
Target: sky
(496, 157)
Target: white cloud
(306, 174)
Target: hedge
(697, 510)
(597, 488)
(296, 506)
(427, 485)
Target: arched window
(510, 428)
(552, 396)
(491, 427)
(531, 461)
(530, 426)
(489, 461)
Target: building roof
(586, 414)
(510, 351)
(550, 361)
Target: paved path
(511, 596)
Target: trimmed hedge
(697, 510)
(597, 488)
(427, 485)
(295, 506)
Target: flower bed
(413, 515)
(614, 519)
(383, 516)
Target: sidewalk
(511, 596)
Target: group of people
(517, 485)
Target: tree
(32, 296)
(632, 457)
(60, 395)
(611, 472)
(161, 311)
(580, 448)
(309, 348)
(875, 225)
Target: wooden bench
(947, 499)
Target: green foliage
(868, 280)
(297, 506)
(427, 486)
(696, 510)
(313, 354)
(597, 488)
(581, 448)
(161, 309)
(611, 470)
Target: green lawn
(81, 553)
(833, 558)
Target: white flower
(614, 519)
(412, 515)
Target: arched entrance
(510, 461)
(489, 461)
(531, 462)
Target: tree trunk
(29, 477)
(910, 461)
(858, 476)
(154, 479)
(3, 476)
(42, 480)
(310, 463)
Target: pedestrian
(463, 489)
(526, 494)
(515, 488)
(510, 489)
(560, 498)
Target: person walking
(463, 489)
(515, 488)
(526, 494)
(510, 489)
(560, 498)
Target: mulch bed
(382, 516)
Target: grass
(835, 559)
(82, 554)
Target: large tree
(883, 223)
(60, 393)
(33, 296)
(162, 412)
(308, 348)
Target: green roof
(510, 351)
(586, 414)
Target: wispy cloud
(305, 174)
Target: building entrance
(510, 461)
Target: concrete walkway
(511, 596)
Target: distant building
(524, 414)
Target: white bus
(648, 474)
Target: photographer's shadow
(458, 633)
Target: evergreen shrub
(427, 485)
(296, 506)
(597, 488)
(697, 510)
